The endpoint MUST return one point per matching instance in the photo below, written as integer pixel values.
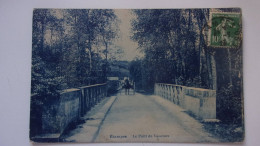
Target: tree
(173, 42)
(45, 76)
(66, 47)
(176, 52)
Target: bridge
(86, 114)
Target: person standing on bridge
(127, 86)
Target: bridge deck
(149, 118)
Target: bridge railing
(49, 119)
(91, 95)
(201, 102)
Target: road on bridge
(149, 118)
(138, 118)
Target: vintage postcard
(137, 75)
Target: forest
(70, 48)
(176, 51)
(73, 48)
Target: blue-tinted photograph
(137, 75)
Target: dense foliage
(174, 47)
(70, 48)
(174, 43)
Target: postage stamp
(225, 30)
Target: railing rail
(50, 118)
(201, 102)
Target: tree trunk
(229, 67)
(42, 35)
(209, 69)
(106, 53)
(214, 72)
(90, 55)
